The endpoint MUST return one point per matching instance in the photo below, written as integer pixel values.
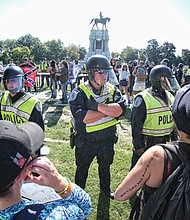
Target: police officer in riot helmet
(96, 106)
(151, 117)
(18, 106)
(13, 79)
(100, 62)
(165, 62)
(163, 80)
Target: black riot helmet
(165, 62)
(100, 63)
(13, 74)
(162, 79)
(180, 65)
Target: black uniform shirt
(79, 110)
(138, 117)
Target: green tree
(153, 51)
(73, 52)
(27, 40)
(186, 56)
(2, 49)
(167, 50)
(142, 55)
(10, 43)
(39, 51)
(5, 50)
(82, 53)
(19, 53)
(128, 54)
(54, 49)
(115, 54)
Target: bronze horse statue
(102, 21)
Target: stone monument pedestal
(98, 43)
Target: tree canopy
(29, 46)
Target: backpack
(172, 200)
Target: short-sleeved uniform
(19, 117)
(138, 117)
(99, 143)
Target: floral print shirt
(76, 206)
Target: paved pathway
(46, 96)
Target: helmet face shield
(162, 78)
(174, 84)
(13, 85)
(165, 84)
(112, 78)
(170, 84)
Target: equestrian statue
(100, 20)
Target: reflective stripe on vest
(106, 94)
(159, 120)
(20, 111)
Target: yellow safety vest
(20, 111)
(43, 66)
(106, 94)
(188, 72)
(159, 121)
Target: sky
(133, 22)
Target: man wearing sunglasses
(18, 106)
(96, 107)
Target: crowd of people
(132, 77)
(160, 113)
(54, 74)
(60, 76)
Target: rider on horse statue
(100, 20)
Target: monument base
(98, 43)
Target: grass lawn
(57, 138)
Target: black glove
(91, 104)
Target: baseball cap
(17, 145)
(181, 109)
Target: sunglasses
(102, 71)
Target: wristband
(66, 187)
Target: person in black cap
(19, 160)
(155, 165)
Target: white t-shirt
(124, 75)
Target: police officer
(16, 105)
(151, 116)
(179, 73)
(187, 76)
(155, 164)
(96, 106)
